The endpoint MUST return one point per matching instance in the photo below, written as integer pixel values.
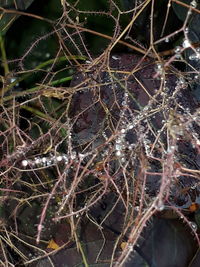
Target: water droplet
(73, 155)
(123, 160)
(159, 66)
(118, 147)
(194, 56)
(193, 187)
(193, 4)
(159, 206)
(115, 57)
(37, 160)
(24, 163)
(119, 141)
(186, 43)
(59, 158)
(186, 30)
(193, 225)
(177, 49)
(118, 153)
(44, 160)
(130, 247)
(81, 156)
(49, 162)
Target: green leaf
(8, 14)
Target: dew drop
(115, 57)
(186, 30)
(186, 43)
(24, 163)
(118, 153)
(59, 158)
(193, 225)
(47, 55)
(193, 4)
(177, 49)
(130, 127)
(73, 155)
(159, 206)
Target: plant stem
(82, 254)
(37, 113)
(4, 58)
(35, 89)
(39, 67)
